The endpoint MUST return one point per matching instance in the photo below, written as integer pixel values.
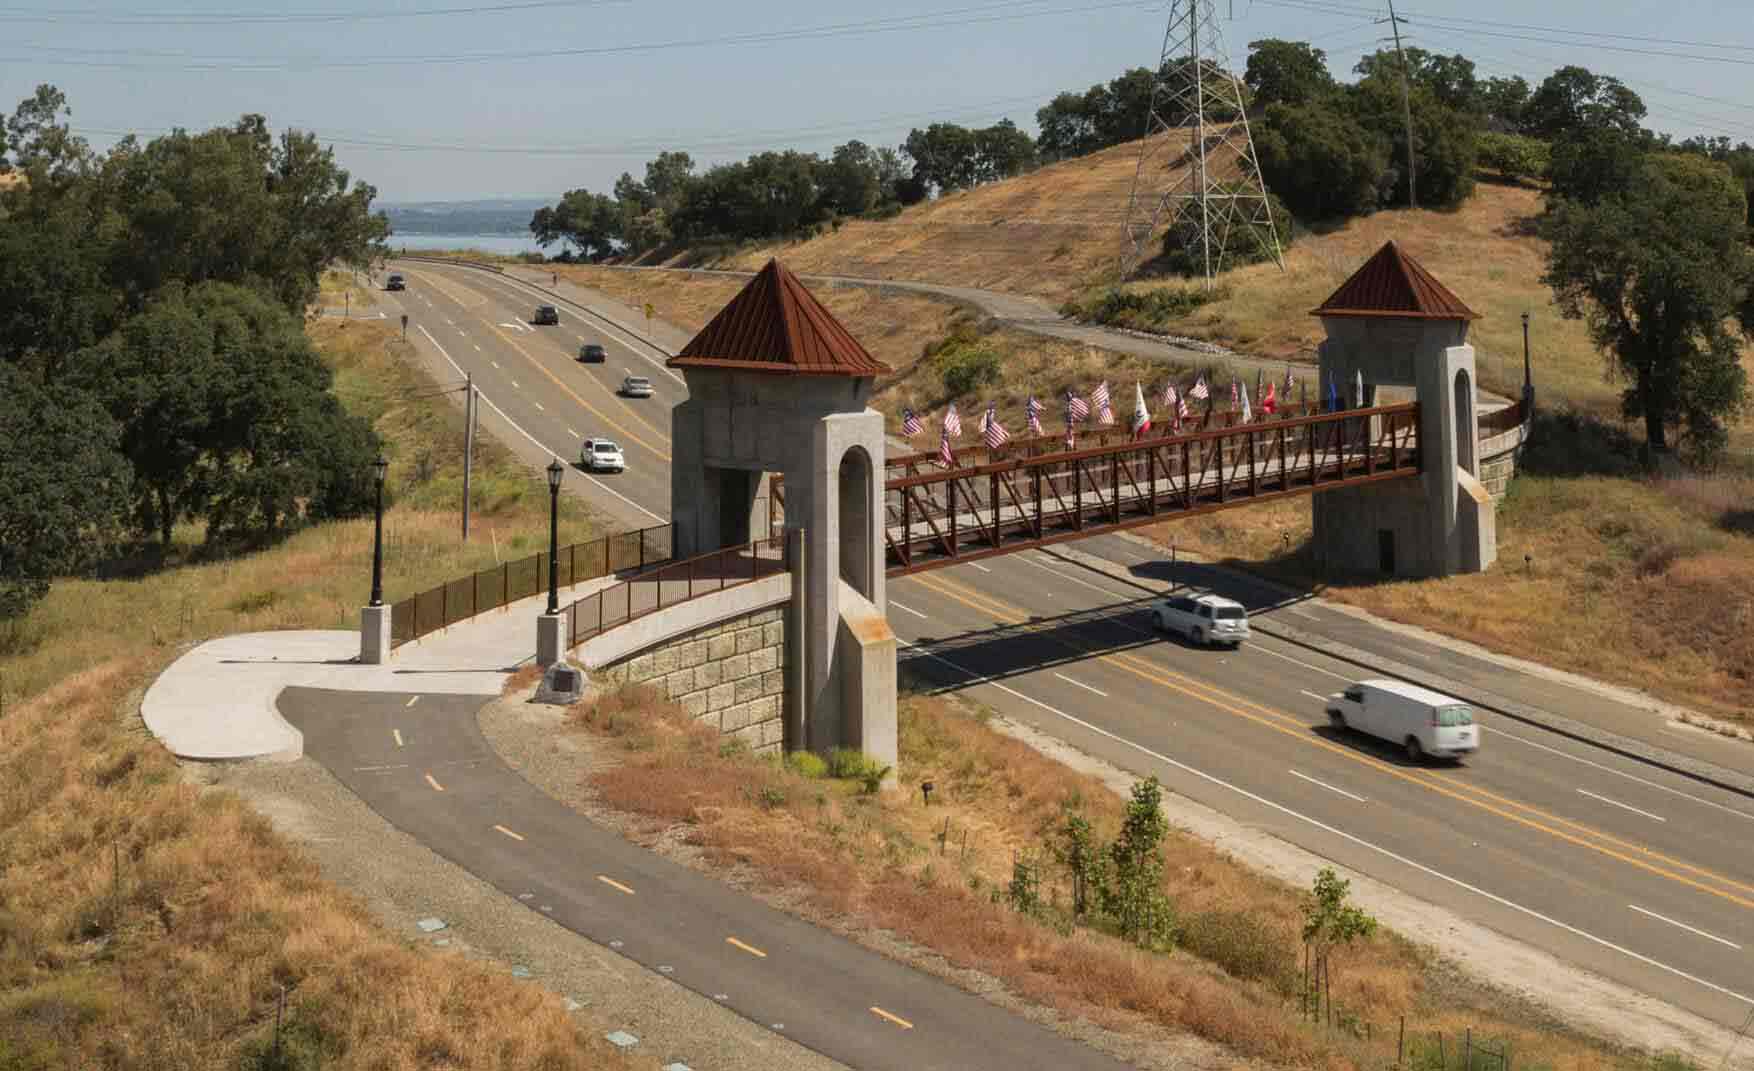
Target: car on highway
(395, 282)
(1203, 619)
(601, 455)
(547, 314)
(1418, 720)
(636, 387)
(592, 353)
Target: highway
(1633, 872)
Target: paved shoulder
(420, 761)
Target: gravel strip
(403, 882)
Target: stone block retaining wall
(731, 675)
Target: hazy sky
(447, 99)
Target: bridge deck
(934, 519)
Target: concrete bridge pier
(777, 385)
(1394, 324)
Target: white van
(1418, 719)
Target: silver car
(1203, 619)
(601, 455)
(636, 387)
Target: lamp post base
(550, 638)
(374, 635)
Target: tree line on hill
(1649, 234)
(154, 367)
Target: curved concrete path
(217, 701)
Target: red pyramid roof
(1393, 284)
(775, 325)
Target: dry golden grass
(146, 924)
(897, 329)
(336, 287)
(1044, 233)
(863, 862)
(174, 958)
(1639, 582)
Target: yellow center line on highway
(494, 327)
(751, 949)
(1298, 731)
(896, 1019)
(570, 393)
(413, 701)
(436, 787)
(508, 832)
(613, 884)
(447, 288)
(397, 733)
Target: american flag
(911, 424)
(1200, 391)
(952, 422)
(1076, 408)
(1181, 410)
(1235, 393)
(994, 433)
(1246, 415)
(1105, 413)
(1141, 417)
(1032, 413)
(945, 457)
(1173, 404)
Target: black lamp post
(555, 470)
(1528, 380)
(380, 467)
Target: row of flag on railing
(1078, 410)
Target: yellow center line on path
(613, 884)
(508, 832)
(751, 949)
(896, 1019)
(413, 701)
(436, 787)
(1297, 730)
(397, 733)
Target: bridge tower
(777, 384)
(1393, 324)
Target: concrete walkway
(217, 701)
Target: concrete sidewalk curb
(1626, 747)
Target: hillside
(1056, 233)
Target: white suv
(601, 455)
(1203, 619)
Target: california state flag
(1141, 417)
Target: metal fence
(672, 583)
(465, 597)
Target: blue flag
(1333, 396)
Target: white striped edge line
(1330, 788)
(1684, 926)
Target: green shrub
(967, 367)
(808, 764)
(1141, 310)
(1514, 156)
(771, 797)
(1243, 245)
(851, 764)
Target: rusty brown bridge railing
(465, 597)
(676, 582)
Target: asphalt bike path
(421, 763)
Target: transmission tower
(1197, 177)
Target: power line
(968, 16)
(96, 17)
(1442, 22)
